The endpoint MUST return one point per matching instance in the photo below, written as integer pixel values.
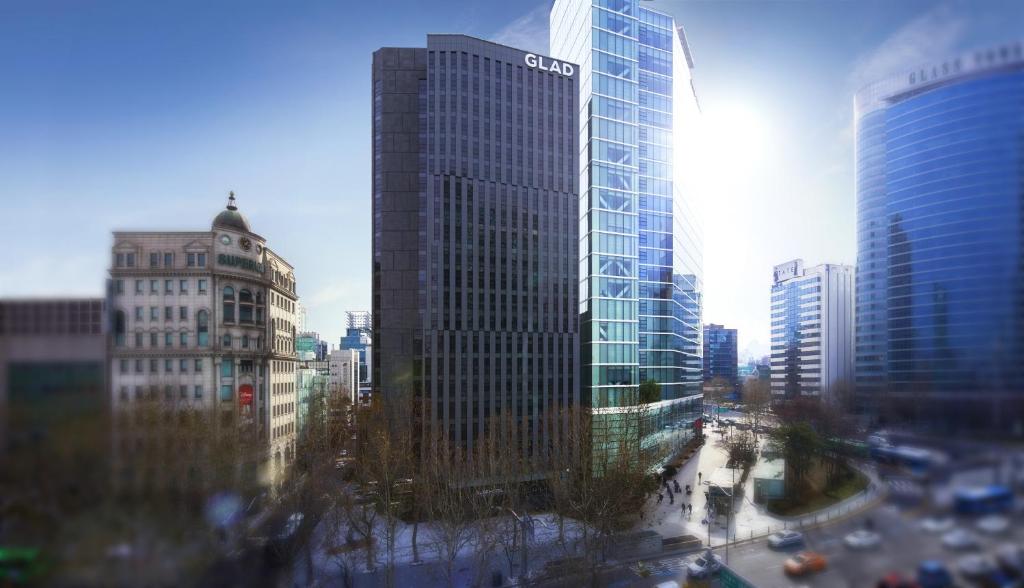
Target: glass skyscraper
(640, 251)
(940, 270)
(721, 355)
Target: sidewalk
(749, 520)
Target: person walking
(660, 497)
(690, 508)
(699, 476)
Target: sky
(143, 115)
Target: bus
(981, 500)
(919, 463)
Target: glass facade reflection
(940, 285)
(640, 252)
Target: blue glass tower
(940, 276)
(640, 251)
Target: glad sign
(552, 66)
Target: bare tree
(757, 401)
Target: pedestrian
(690, 508)
(683, 505)
(660, 497)
(699, 476)
(671, 498)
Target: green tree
(801, 446)
(650, 391)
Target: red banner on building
(245, 394)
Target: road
(903, 547)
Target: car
(975, 566)
(862, 539)
(896, 580)
(932, 573)
(805, 562)
(993, 524)
(1011, 559)
(781, 539)
(705, 565)
(667, 584)
(937, 524)
(959, 539)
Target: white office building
(812, 329)
(206, 321)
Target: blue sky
(142, 115)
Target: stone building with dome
(204, 323)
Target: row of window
(168, 366)
(151, 392)
(168, 287)
(155, 258)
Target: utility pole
(728, 518)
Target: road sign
(730, 579)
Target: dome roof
(230, 218)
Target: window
(198, 368)
(152, 339)
(138, 313)
(138, 339)
(124, 366)
(183, 339)
(202, 286)
(198, 392)
(124, 392)
(203, 328)
(154, 313)
(202, 259)
(227, 367)
(191, 259)
(168, 313)
(226, 341)
(154, 286)
(245, 341)
(183, 313)
(129, 259)
(138, 366)
(168, 392)
(183, 286)
(119, 260)
(168, 286)
(153, 366)
(225, 393)
(183, 392)
(229, 304)
(168, 339)
(119, 328)
(168, 260)
(183, 366)
(119, 286)
(139, 287)
(245, 306)
(154, 259)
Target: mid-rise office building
(205, 321)
(358, 337)
(53, 357)
(721, 356)
(812, 330)
(940, 300)
(640, 247)
(475, 235)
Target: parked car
(805, 562)
(782, 539)
(705, 565)
(993, 524)
(932, 573)
(937, 524)
(863, 539)
(896, 580)
(1011, 559)
(975, 566)
(959, 539)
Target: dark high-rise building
(721, 355)
(940, 220)
(475, 237)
